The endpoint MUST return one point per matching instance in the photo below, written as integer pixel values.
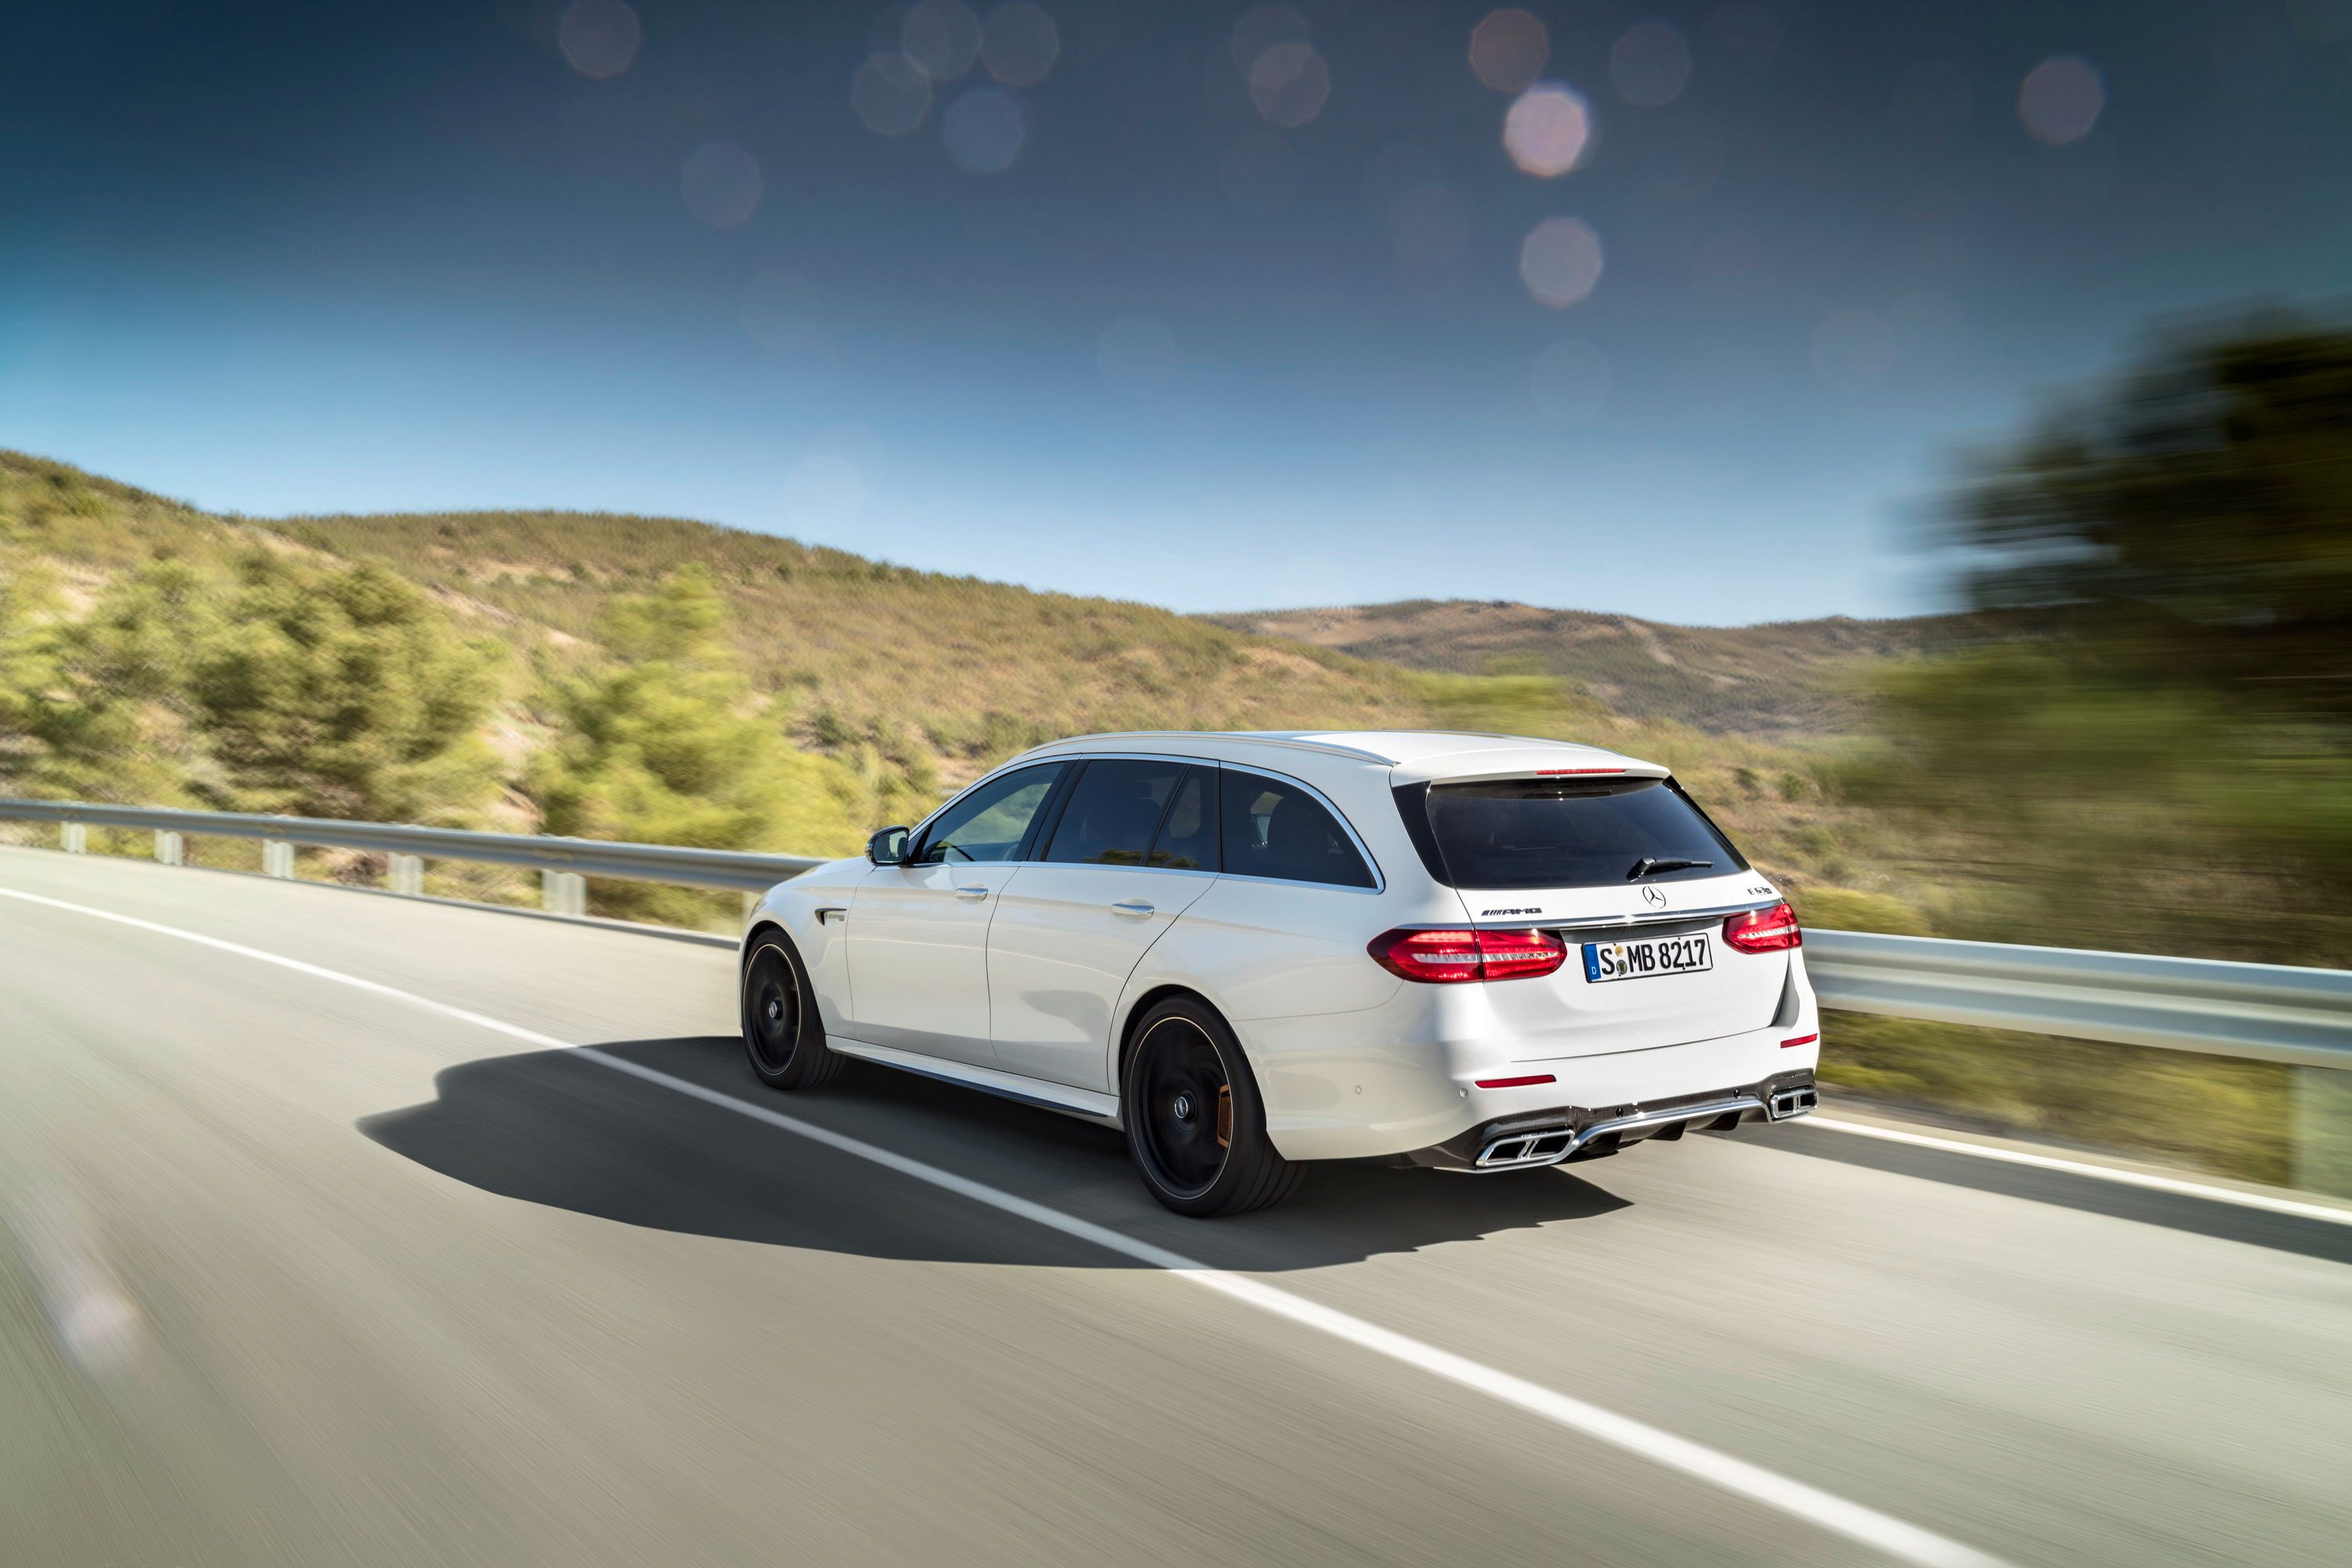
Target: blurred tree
(2195, 522)
(666, 745)
(27, 602)
(344, 692)
(2162, 760)
(112, 721)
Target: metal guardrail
(562, 861)
(2259, 1010)
(2263, 1012)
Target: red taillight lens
(1510, 953)
(1764, 930)
(1443, 957)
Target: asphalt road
(295, 1272)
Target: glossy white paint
(1351, 1061)
(1064, 941)
(1085, 1104)
(917, 940)
(1563, 1014)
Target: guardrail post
(277, 858)
(74, 838)
(170, 849)
(2322, 1131)
(409, 875)
(563, 892)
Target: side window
(1188, 838)
(1114, 807)
(1275, 829)
(990, 823)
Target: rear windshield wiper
(1649, 863)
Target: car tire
(782, 1033)
(1195, 1125)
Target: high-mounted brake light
(1448, 957)
(1554, 773)
(1764, 930)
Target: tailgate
(1650, 1002)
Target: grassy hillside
(915, 664)
(915, 681)
(1788, 678)
(934, 676)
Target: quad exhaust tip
(1551, 1145)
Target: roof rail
(1326, 747)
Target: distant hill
(928, 677)
(1786, 678)
(917, 681)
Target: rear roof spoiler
(1561, 762)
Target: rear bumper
(1334, 1089)
(1551, 1136)
(1433, 1064)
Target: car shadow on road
(556, 1128)
(2088, 1193)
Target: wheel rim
(1186, 1103)
(772, 1009)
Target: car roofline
(1419, 767)
(1327, 748)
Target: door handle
(1131, 907)
(975, 894)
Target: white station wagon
(1246, 952)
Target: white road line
(2086, 1168)
(1809, 1504)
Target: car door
(1134, 843)
(919, 930)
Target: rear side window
(1114, 807)
(1188, 837)
(1546, 833)
(1275, 829)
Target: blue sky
(1186, 346)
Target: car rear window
(1582, 833)
(1273, 827)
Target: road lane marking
(2148, 1179)
(1809, 1504)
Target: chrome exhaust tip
(1523, 1148)
(1790, 1102)
(1551, 1145)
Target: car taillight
(1443, 957)
(1764, 930)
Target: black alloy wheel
(1194, 1124)
(783, 1034)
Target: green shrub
(665, 746)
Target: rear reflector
(1799, 1040)
(1764, 930)
(1448, 957)
(1516, 1082)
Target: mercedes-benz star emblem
(1651, 895)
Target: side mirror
(888, 848)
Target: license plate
(1642, 960)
